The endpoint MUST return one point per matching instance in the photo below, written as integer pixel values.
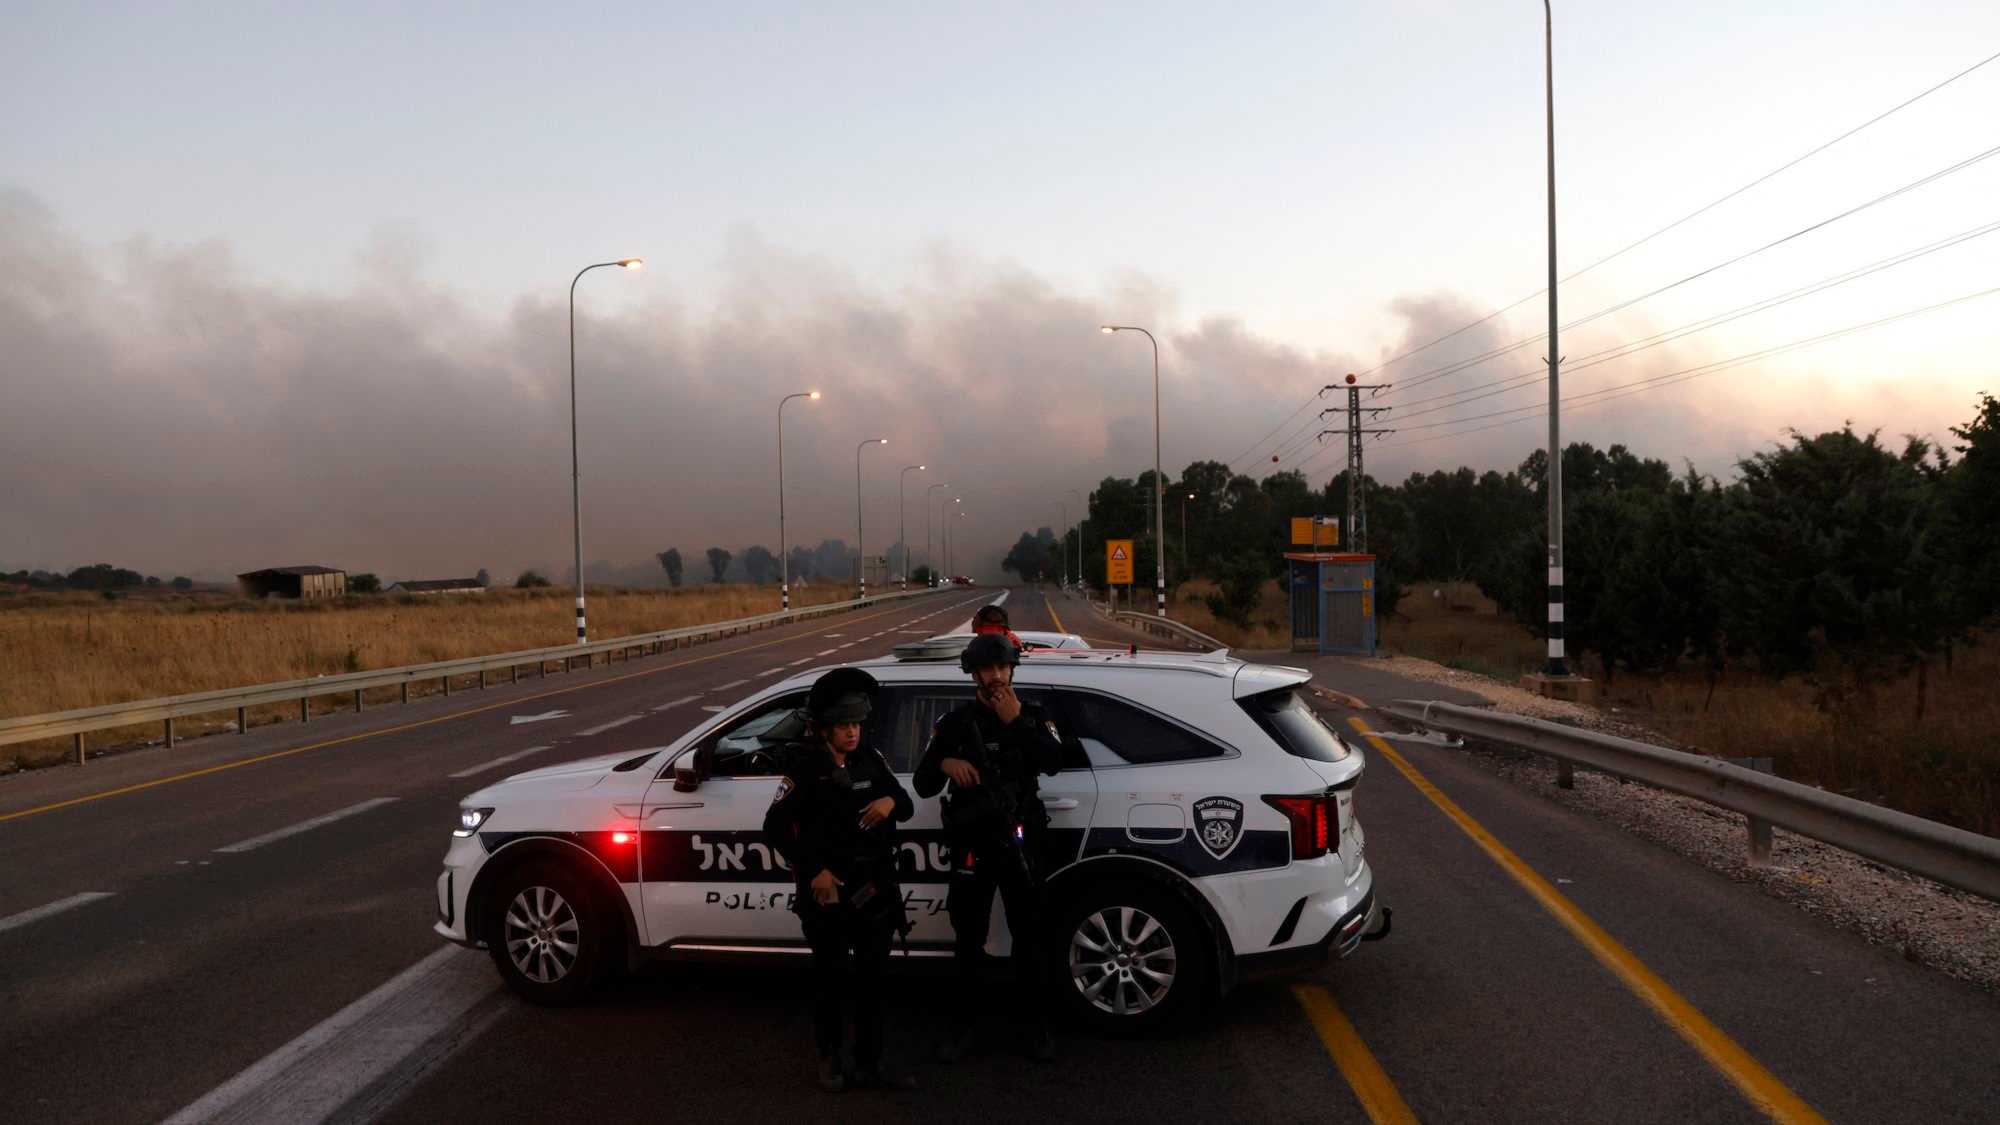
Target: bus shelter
(1333, 601)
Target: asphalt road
(262, 951)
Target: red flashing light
(621, 837)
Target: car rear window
(1295, 726)
(1137, 736)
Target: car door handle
(1060, 804)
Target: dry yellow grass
(1944, 766)
(60, 652)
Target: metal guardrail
(78, 723)
(1952, 856)
(1168, 627)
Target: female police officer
(833, 819)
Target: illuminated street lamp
(930, 560)
(1159, 479)
(861, 556)
(784, 563)
(902, 523)
(575, 477)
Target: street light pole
(1184, 543)
(1159, 478)
(784, 562)
(902, 523)
(1063, 539)
(575, 475)
(1082, 514)
(1556, 664)
(930, 560)
(860, 555)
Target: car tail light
(1312, 823)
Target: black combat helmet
(989, 648)
(844, 695)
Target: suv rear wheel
(1131, 957)
(549, 937)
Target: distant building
(306, 583)
(439, 586)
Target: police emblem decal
(784, 787)
(1218, 824)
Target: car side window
(748, 746)
(1133, 734)
(913, 712)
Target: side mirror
(688, 778)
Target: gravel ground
(1956, 933)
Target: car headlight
(469, 821)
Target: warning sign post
(1117, 562)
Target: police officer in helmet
(991, 751)
(834, 820)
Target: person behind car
(991, 751)
(834, 820)
(993, 619)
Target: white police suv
(1203, 831)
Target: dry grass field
(1873, 746)
(65, 651)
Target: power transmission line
(1690, 215)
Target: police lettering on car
(833, 817)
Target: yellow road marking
(1357, 1064)
(4, 817)
(1760, 1086)
(1050, 606)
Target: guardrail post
(242, 723)
(445, 683)
(515, 671)
(1565, 774)
(357, 701)
(79, 748)
(305, 709)
(1760, 842)
(170, 732)
(406, 691)
(482, 679)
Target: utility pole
(1557, 667)
(1357, 436)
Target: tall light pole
(1556, 665)
(930, 560)
(950, 539)
(1063, 539)
(1184, 500)
(861, 556)
(1083, 513)
(1159, 478)
(902, 524)
(576, 477)
(784, 563)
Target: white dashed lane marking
(612, 725)
(498, 762)
(772, 671)
(731, 684)
(673, 703)
(799, 661)
(827, 652)
(255, 842)
(14, 921)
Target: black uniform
(815, 823)
(1009, 756)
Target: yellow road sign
(1118, 562)
(1315, 531)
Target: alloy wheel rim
(1122, 960)
(540, 932)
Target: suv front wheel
(548, 936)
(1131, 957)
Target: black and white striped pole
(1159, 478)
(1557, 666)
(902, 521)
(784, 562)
(861, 556)
(575, 477)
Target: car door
(708, 875)
(912, 712)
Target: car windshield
(1295, 726)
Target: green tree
(364, 583)
(921, 575)
(718, 561)
(483, 578)
(760, 564)
(670, 561)
(1242, 586)
(1972, 505)
(531, 580)
(182, 583)
(1030, 555)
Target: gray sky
(283, 283)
